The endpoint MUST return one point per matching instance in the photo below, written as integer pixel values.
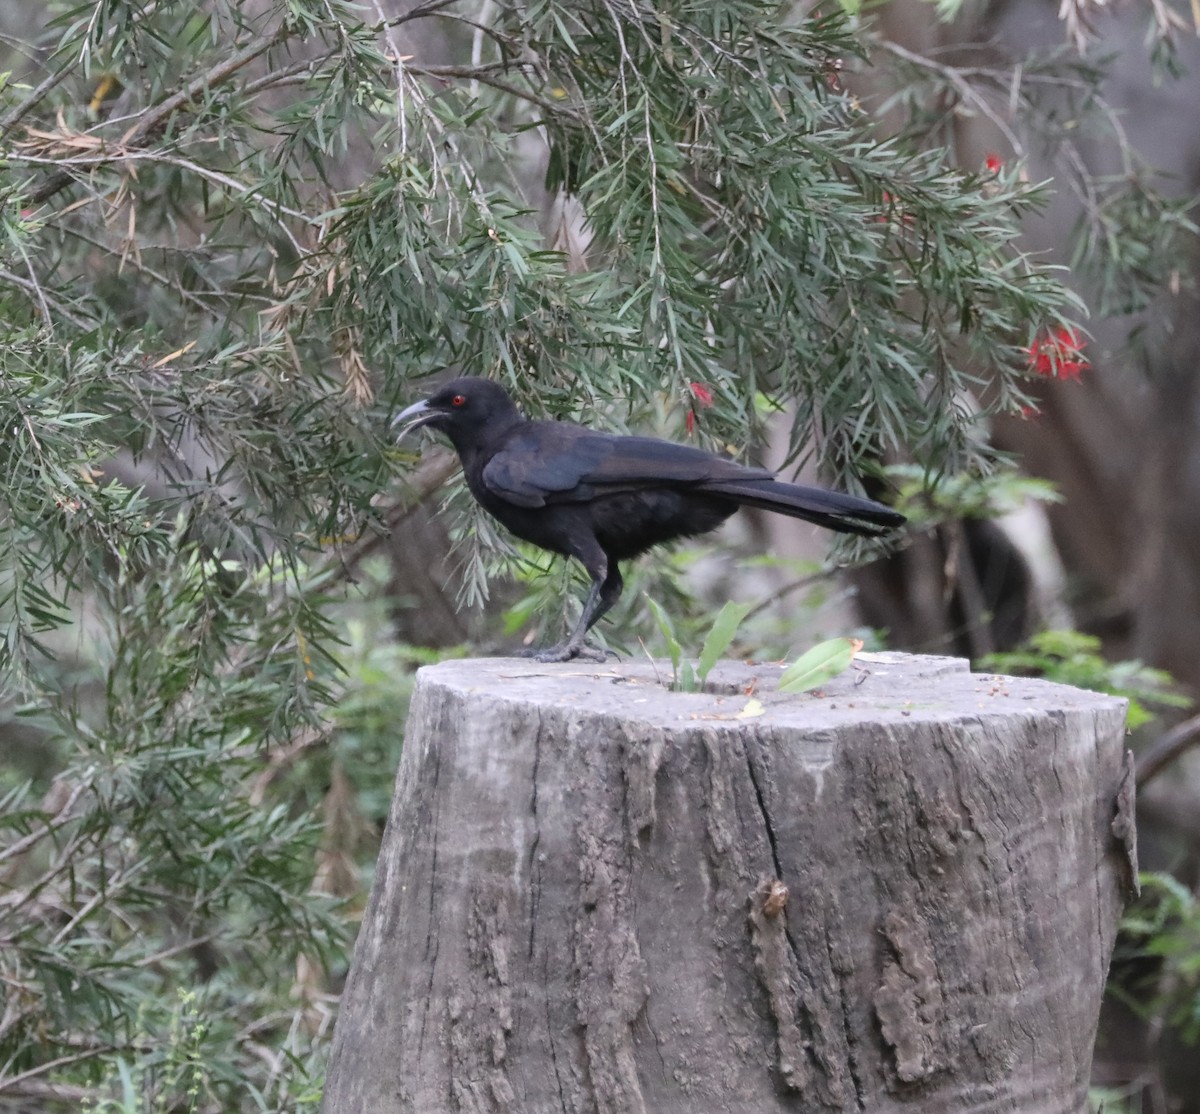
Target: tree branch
(435, 469)
(16, 1084)
(158, 116)
(51, 826)
(483, 74)
(432, 7)
(1161, 753)
(18, 112)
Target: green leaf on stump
(820, 664)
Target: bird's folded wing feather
(559, 463)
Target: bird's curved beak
(417, 415)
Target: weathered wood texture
(570, 913)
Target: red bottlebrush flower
(701, 394)
(994, 163)
(1059, 355)
(689, 420)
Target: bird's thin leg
(575, 647)
(604, 592)
(610, 592)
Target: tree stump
(594, 895)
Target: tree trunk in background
(579, 902)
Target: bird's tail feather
(847, 514)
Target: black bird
(603, 498)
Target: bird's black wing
(556, 462)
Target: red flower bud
(1058, 356)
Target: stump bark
(595, 895)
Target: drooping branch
(154, 120)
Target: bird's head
(462, 409)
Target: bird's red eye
(458, 400)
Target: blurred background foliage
(236, 235)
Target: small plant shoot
(686, 677)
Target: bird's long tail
(847, 514)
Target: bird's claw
(567, 652)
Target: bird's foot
(569, 651)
